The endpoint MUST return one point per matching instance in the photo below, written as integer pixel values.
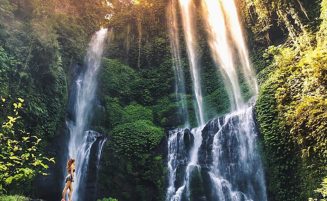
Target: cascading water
(183, 147)
(230, 153)
(221, 50)
(225, 164)
(176, 55)
(86, 176)
(239, 42)
(81, 142)
(189, 164)
(187, 10)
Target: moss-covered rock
(136, 138)
(132, 166)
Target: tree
(20, 158)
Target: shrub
(20, 158)
(13, 198)
(133, 139)
(135, 112)
(118, 80)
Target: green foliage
(72, 39)
(282, 165)
(157, 82)
(321, 191)
(273, 22)
(7, 64)
(133, 169)
(217, 103)
(292, 116)
(114, 112)
(13, 198)
(117, 114)
(135, 112)
(138, 137)
(215, 100)
(118, 80)
(165, 112)
(322, 34)
(132, 166)
(20, 157)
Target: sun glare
(136, 2)
(184, 2)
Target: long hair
(69, 164)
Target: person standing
(69, 180)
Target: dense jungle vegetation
(42, 46)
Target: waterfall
(221, 49)
(172, 19)
(89, 153)
(235, 166)
(239, 42)
(175, 142)
(219, 160)
(80, 142)
(183, 148)
(187, 10)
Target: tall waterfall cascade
(172, 17)
(219, 160)
(187, 8)
(83, 143)
(222, 23)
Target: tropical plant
(20, 158)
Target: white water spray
(221, 50)
(187, 10)
(176, 138)
(235, 28)
(172, 19)
(86, 85)
(224, 152)
(236, 172)
(182, 155)
(234, 151)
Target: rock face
(208, 134)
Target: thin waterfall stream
(189, 165)
(219, 160)
(172, 17)
(86, 145)
(187, 11)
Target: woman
(69, 180)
